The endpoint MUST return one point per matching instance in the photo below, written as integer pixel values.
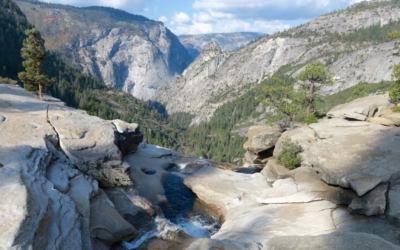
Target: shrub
(394, 95)
(288, 156)
(311, 119)
(396, 109)
(7, 80)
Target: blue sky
(215, 16)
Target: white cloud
(180, 17)
(229, 25)
(163, 19)
(127, 5)
(272, 9)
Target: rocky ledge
(344, 195)
(63, 178)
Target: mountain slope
(352, 43)
(126, 51)
(227, 41)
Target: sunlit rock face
(126, 51)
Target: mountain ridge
(227, 41)
(288, 52)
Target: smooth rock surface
(147, 169)
(225, 189)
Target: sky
(222, 16)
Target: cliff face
(128, 52)
(352, 43)
(227, 41)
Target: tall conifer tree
(34, 56)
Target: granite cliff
(126, 51)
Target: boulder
(106, 224)
(250, 157)
(262, 138)
(129, 136)
(372, 203)
(361, 108)
(90, 144)
(135, 209)
(279, 171)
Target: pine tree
(313, 77)
(284, 98)
(34, 56)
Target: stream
(184, 211)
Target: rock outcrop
(347, 187)
(52, 161)
(261, 142)
(126, 51)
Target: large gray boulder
(129, 136)
(374, 202)
(262, 138)
(91, 145)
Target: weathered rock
(222, 190)
(395, 118)
(372, 203)
(352, 161)
(250, 157)
(129, 137)
(147, 169)
(257, 224)
(90, 144)
(326, 128)
(360, 109)
(135, 209)
(336, 240)
(382, 121)
(262, 138)
(33, 213)
(278, 170)
(304, 186)
(393, 203)
(106, 224)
